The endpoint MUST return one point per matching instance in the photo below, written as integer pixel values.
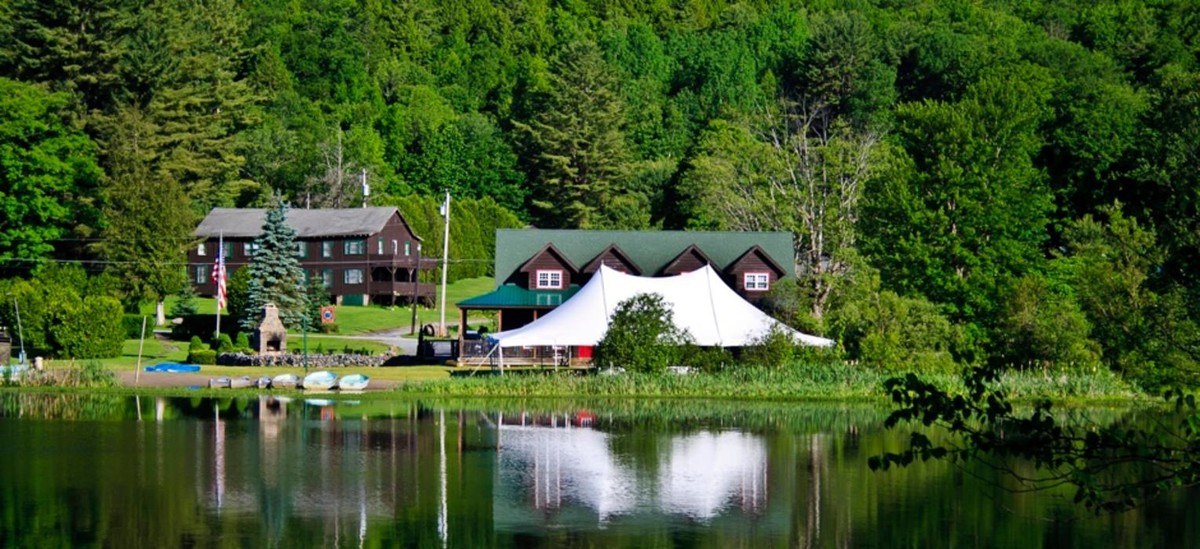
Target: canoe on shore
(240, 382)
(218, 383)
(353, 382)
(319, 381)
(285, 381)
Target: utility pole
(366, 189)
(445, 259)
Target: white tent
(711, 312)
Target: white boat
(319, 381)
(285, 381)
(240, 382)
(353, 382)
(263, 382)
(218, 383)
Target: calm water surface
(80, 471)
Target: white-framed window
(327, 278)
(248, 249)
(202, 274)
(202, 249)
(548, 280)
(354, 247)
(757, 282)
(379, 246)
(352, 276)
(301, 249)
(327, 249)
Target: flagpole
(217, 276)
(445, 260)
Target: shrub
(206, 356)
(642, 336)
(243, 343)
(774, 349)
(131, 325)
(706, 359)
(224, 344)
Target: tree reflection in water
(84, 470)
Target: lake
(78, 471)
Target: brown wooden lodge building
(363, 255)
(538, 269)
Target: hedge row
(293, 359)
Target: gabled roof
(595, 263)
(756, 250)
(692, 251)
(651, 250)
(551, 249)
(314, 223)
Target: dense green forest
(1011, 181)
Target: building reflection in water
(558, 467)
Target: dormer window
(757, 282)
(548, 280)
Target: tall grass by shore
(798, 382)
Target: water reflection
(286, 473)
(544, 469)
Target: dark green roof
(651, 250)
(513, 296)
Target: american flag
(218, 274)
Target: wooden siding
(615, 259)
(399, 265)
(753, 261)
(688, 260)
(548, 259)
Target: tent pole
(708, 272)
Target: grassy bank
(799, 383)
(826, 381)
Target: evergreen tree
(275, 273)
(576, 142)
(149, 220)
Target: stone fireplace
(270, 337)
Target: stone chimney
(271, 336)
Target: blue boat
(353, 382)
(174, 367)
(319, 381)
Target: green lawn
(355, 320)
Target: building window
(248, 249)
(379, 246)
(407, 247)
(354, 247)
(228, 250)
(327, 278)
(302, 250)
(201, 249)
(352, 276)
(327, 249)
(549, 280)
(757, 282)
(201, 274)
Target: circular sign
(327, 315)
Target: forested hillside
(1012, 181)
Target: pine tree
(149, 221)
(577, 143)
(275, 273)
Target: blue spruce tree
(275, 273)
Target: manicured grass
(355, 320)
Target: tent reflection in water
(711, 312)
